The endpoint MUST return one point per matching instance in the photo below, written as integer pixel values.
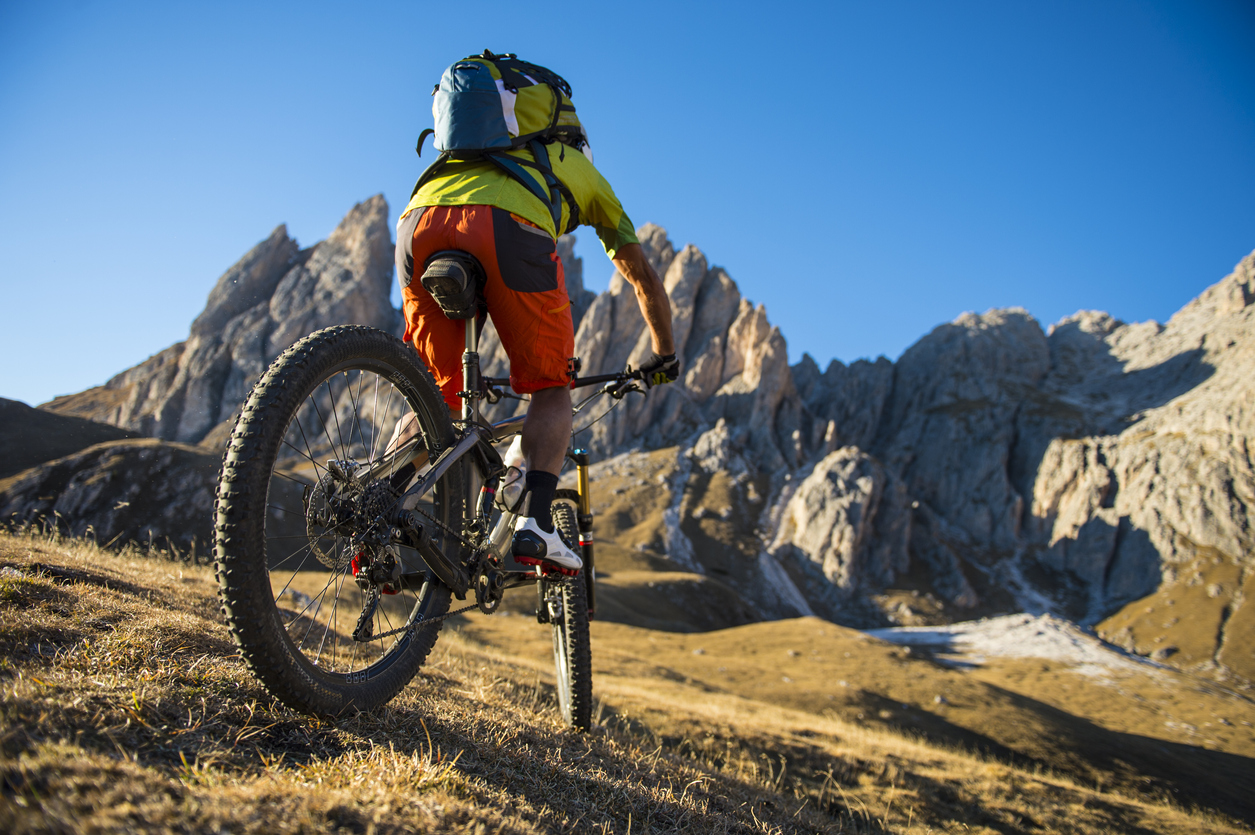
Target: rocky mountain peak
(273, 296)
(250, 282)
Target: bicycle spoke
(374, 416)
(284, 590)
(357, 422)
(335, 413)
(294, 480)
(317, 597)
(284, 561)
(331, 620)
(383, 613)
(323, 423)
(309, 453)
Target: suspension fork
(584, 520)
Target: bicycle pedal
(547, 567)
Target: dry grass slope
(125, 708)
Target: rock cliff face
(735, 363)
(1079, 469)
(1001, 466)
(146, 491)
(996, 466)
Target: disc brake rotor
(331, 510)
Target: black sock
(540, 489)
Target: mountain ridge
(995, 466)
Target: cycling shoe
(532, 546)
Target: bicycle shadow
(620, 776)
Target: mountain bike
(352, 506)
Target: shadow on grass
(1137, 766)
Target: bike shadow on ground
(620, 775)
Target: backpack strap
(515, 169)
(557, 190)
(554, 190)
(556, 184)
(421, 137)
(551, 194)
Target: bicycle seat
(455, 280)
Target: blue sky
(867, 171)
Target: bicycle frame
(475, 439)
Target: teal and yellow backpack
(487, 104)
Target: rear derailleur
(376, 575)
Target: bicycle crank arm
(452, 575)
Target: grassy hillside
(125, 708)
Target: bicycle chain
(424, 624)
(416, 627)
(466, 543)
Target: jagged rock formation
(273, 296)
(1103, 460)
(1003, 466)
(831, 519)
(736, 363)
(998, 465)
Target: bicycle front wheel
(326, 603)
(567, 600)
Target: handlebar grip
(629, 383)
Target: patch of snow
(1017, 636)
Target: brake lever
(618, 392)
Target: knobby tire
(571, 647)
(282, 553)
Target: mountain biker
(475, 207)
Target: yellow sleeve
(599, 207)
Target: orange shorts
(525, 291)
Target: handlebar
(617, 385)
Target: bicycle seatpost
(470, 372)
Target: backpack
(487, 104)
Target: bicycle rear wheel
(322, 597)
(567, 600)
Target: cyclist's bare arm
(651, 295)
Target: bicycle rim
(318, 436)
